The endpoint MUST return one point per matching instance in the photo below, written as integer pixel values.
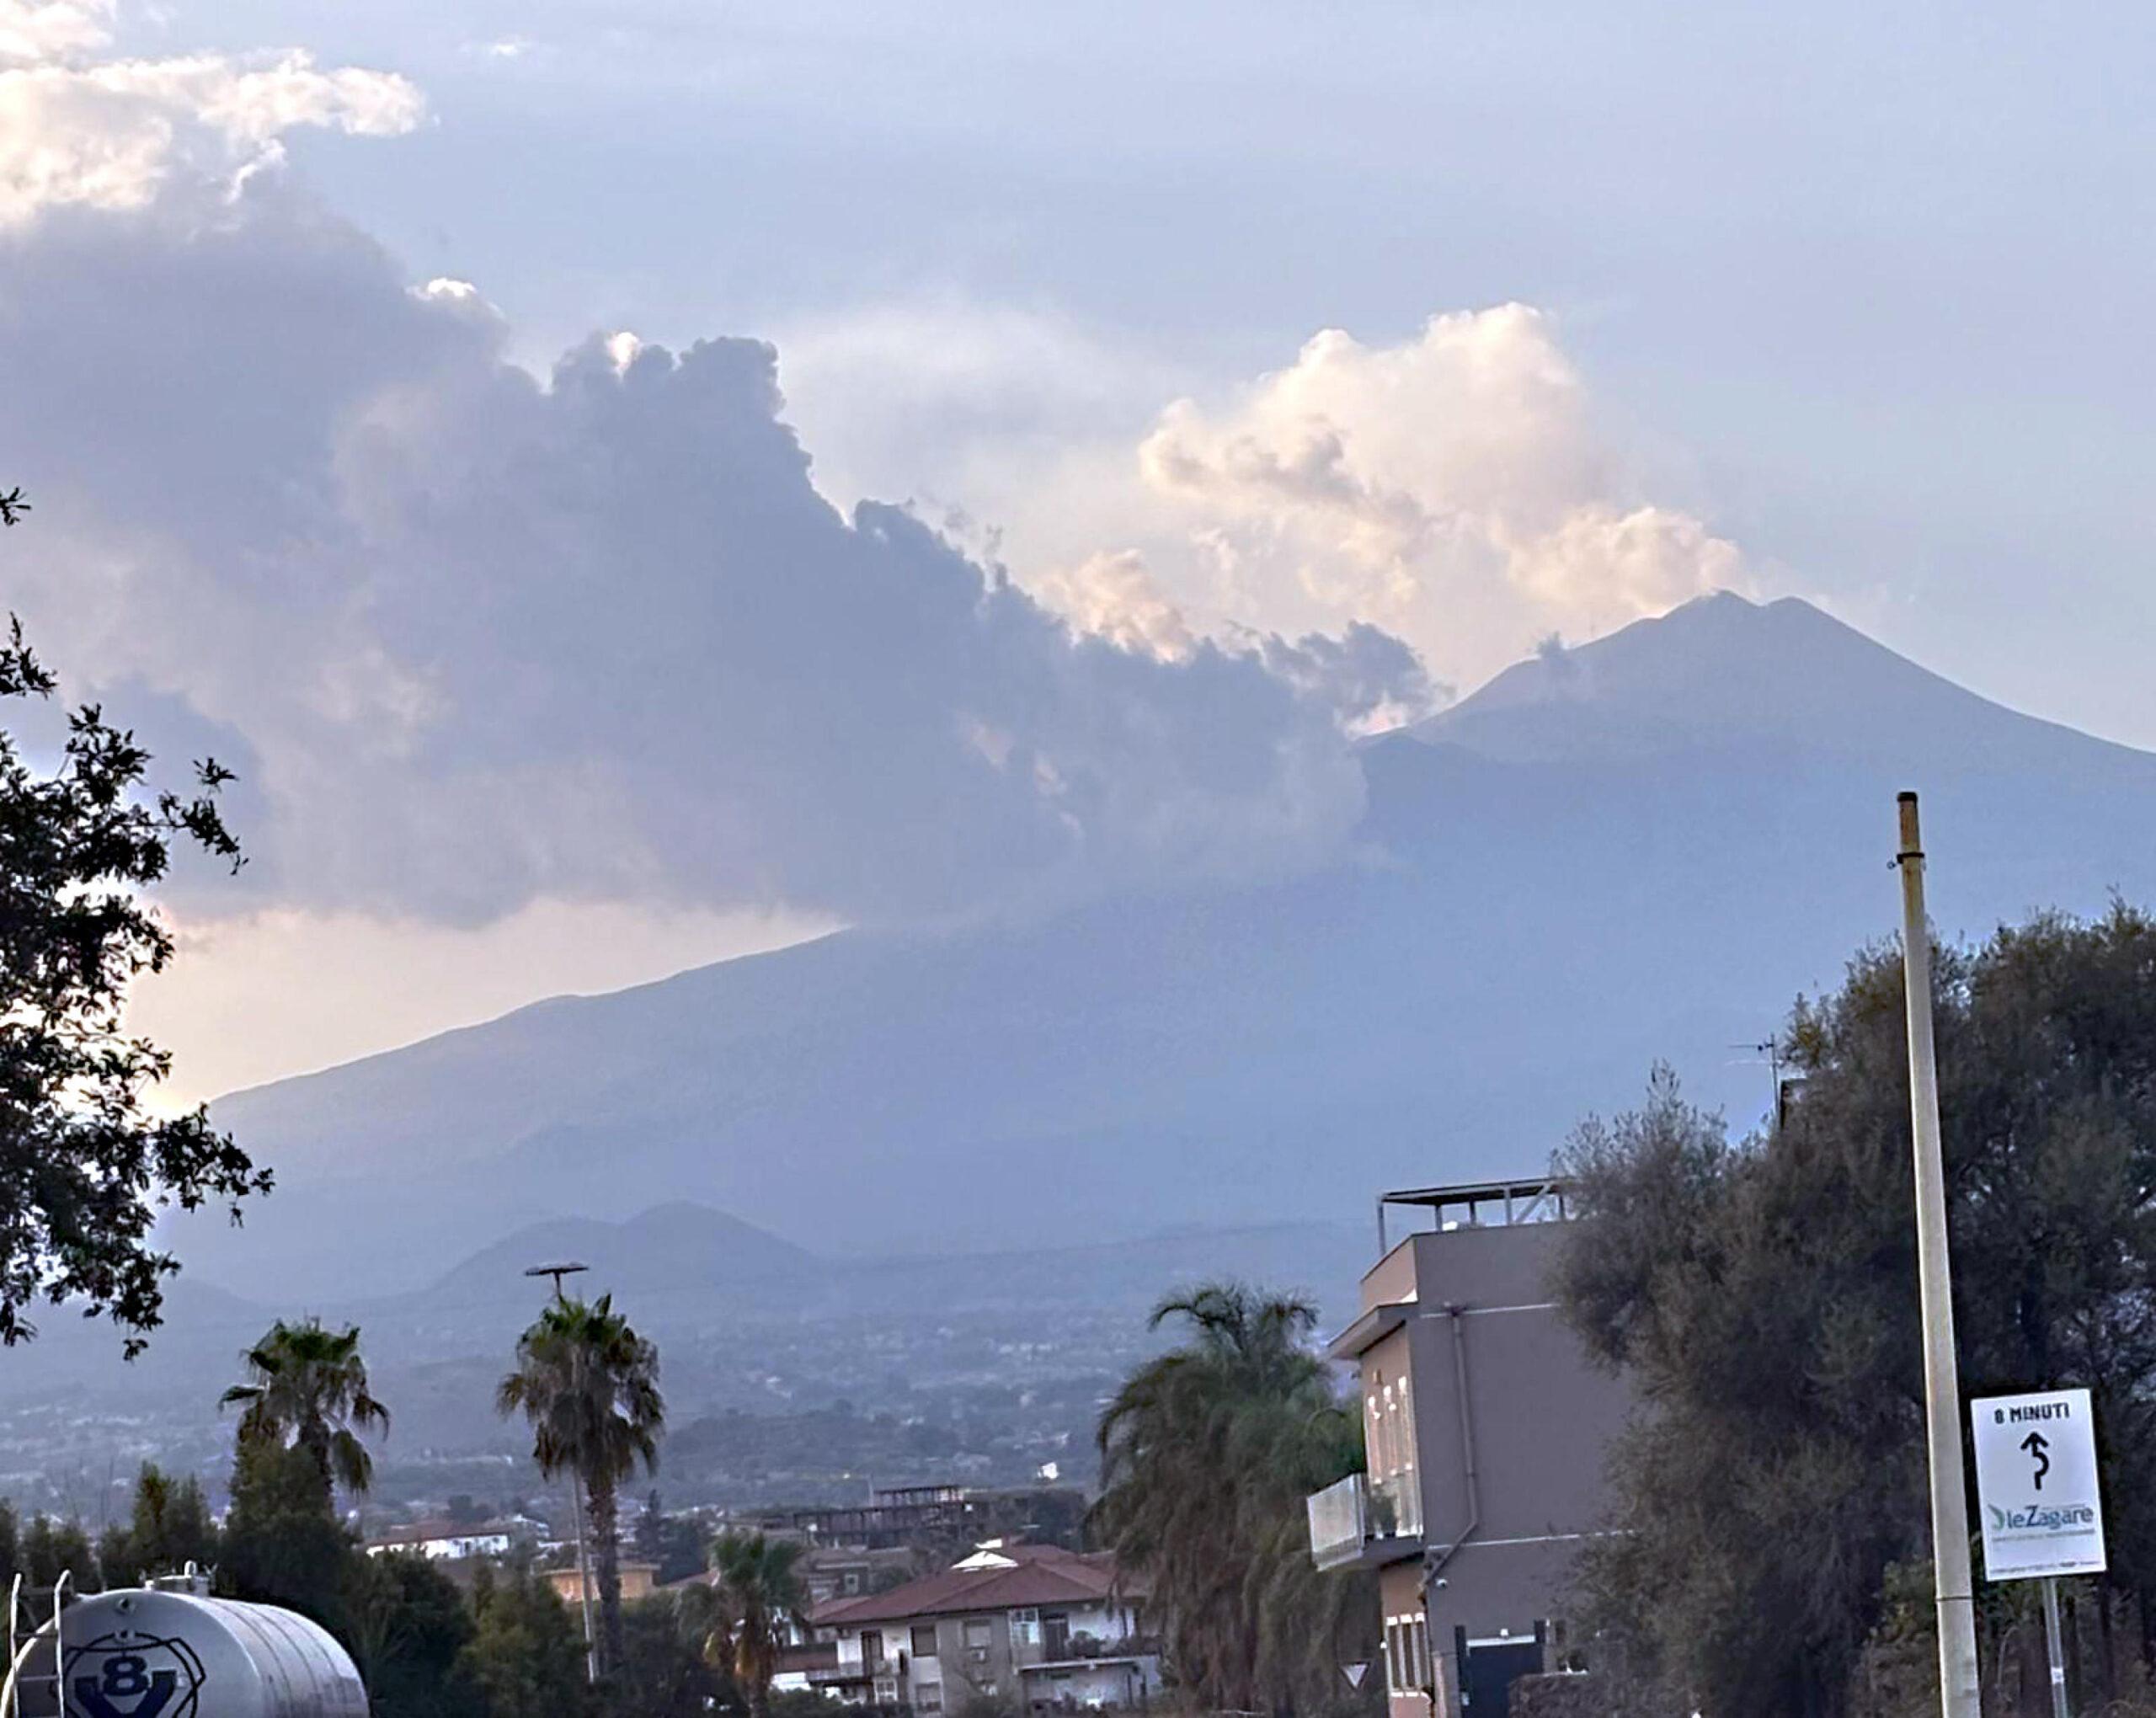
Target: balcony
(838, 1673)
(1360, 1521)
(1083, 1649)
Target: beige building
(1486, 1425)
(637, 1582)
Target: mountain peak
(1725, 673)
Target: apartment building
(1033, 1628)
(1486, 1425)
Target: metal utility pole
(2054, 1652)
(576, 1497)
(1959, 1684)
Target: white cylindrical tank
(138, 1653)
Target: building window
(1407, 1668)
(924, 1640)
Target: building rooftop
(420, 1531)
(996, 1577)
(1480, 1204)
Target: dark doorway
(1487, 1678)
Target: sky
(1108, 415)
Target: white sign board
(2036, 1484)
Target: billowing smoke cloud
(477, 638)
(1454, 488)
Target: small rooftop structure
(1480, 1204)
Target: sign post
(2036, 1487)
(1960, 1692)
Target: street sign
(1355, 1672)
(2036, 1484)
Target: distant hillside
(1642, 848)
(674, 1247)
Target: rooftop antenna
(1770, 1048)
(568, 1267)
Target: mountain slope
(1723, 672)
(1641, 849)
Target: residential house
(638, 1581)
(832, 1572)
(1037, 1627)
(446, 1541)
(1484, 1425)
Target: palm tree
(759, 1604)
(1207, 1454)
(308, 1386)
(589, 1386)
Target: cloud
(1459, 489)
(482, 639)
(1375, 680)
(1114, 596)
(118, 134)
(1454, 487)
(36, 30)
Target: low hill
(677, 1246)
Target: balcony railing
(1352, 1517)
(890, 1664)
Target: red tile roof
(1044, 1575)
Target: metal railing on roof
(1481, 1204)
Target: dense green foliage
(674, 1544)
(307, 1386)
(1762, 1294)
(1207, 1455)
(588, 1384)
(665, 1672)
(407, 1628)
(757, 1601)
(169, 1528)
(525, 1658)
(283, 1543)
(84, 1168)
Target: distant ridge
(672, 1246)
